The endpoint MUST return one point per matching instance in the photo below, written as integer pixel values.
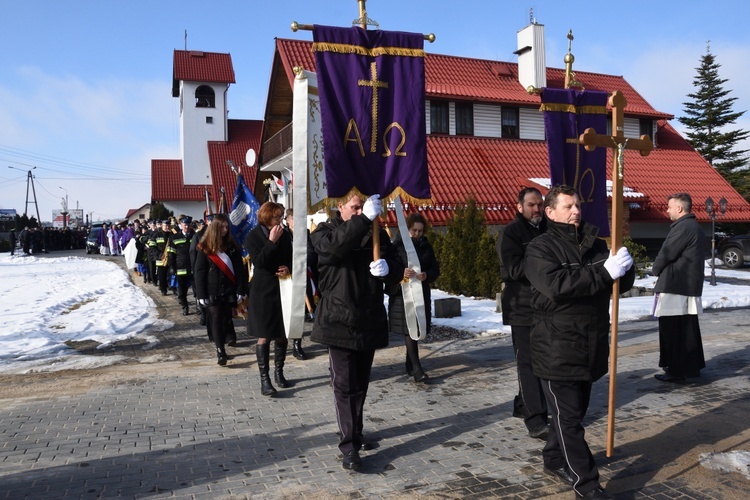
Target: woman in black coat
(270, 250)
(430, 270)
(220, 279)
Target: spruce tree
(707, 116)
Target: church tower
(201, 80)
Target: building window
(464, 118)
(510, 123)
(439, 120)
(205, 97)
(647, 127)
(209, 119)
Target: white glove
(241, 298)
(624, 259)
(373, 207)
(202, 302)
(613, 267)
(379, 268)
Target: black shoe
(540, 432)
(222, 361)
(596, 494)
(164, 293)
(668, 377)
(420, 376)
(352, 461)
(367, 445)
(203, 318)
(563, 473)
(232, 343)
(297, 351)
(185, 310)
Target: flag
(567, 113)
(244, 214)
(372, 100)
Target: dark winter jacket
(264, 315)
(213, 285)
(428, 263)
(179, 252)
(351, 313)
(511, 246)
(571, 293)
(680, 262)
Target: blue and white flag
(244, 214)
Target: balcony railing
(277, 145)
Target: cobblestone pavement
(170, 423)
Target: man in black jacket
(680, 268)
(571, 272)
(350, 318)
(179, 260)
(516, 304)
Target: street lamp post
(711, 211)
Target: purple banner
(372, 99)
(567, 113)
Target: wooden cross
(591, 140)
(375, 84)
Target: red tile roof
(167, 183)
(198, 66)
(494, 170)
(463, 78)
(243, 135)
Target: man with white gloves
(571, 272)
(351, 318)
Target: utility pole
(30, 181)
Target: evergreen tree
(707, 116)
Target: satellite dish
(250, 157)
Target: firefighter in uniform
(161, 238)
(179, 260)
(152, 252)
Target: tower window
(205, 97)
(209, 119)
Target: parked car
(92, 245)
(735, 251)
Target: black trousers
(566, 443)
(161, 272)
(350, 378)
(217, 316)
(152, 270)
(183, 283)
(529, 384)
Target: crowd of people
(557, 275)
(35, 240)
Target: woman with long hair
(430, 270)
(220, 279)
(270, 250)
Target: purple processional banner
(567, 113)
(372, 98)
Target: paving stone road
(170, 423)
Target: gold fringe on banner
(343, 48)
(331, 203)
(570, 108)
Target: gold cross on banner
(591, 140)
(375, 84)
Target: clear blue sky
(85, 85)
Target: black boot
(263, 352)
(297, 351)
(412, 357)
(279, 356)
(222, 356)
